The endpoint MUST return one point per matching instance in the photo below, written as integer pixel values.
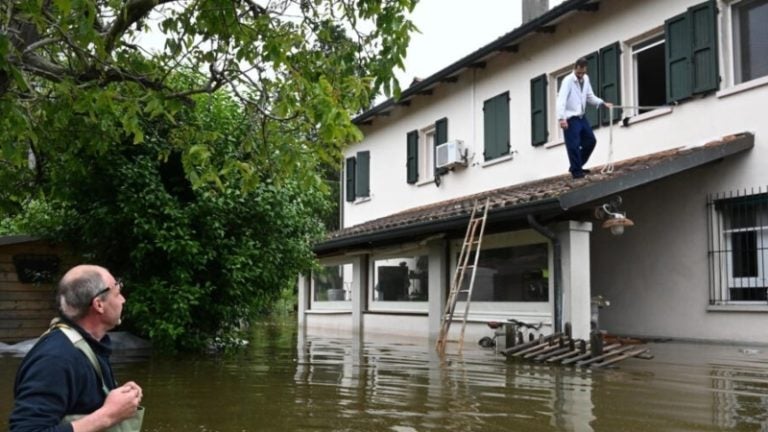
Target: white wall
(461, 103)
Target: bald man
(65, 383)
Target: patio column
(303, 300)
(574, 240)
(438, 284)
(359, 273)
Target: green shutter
(350, 179)
(593, 71)
(678, 52)
(703, 19)
(496, 126)
(441, 136)
(539, 130)
(363, 174)
(413, 157)
(610, 80)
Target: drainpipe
(557, 262)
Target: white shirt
(572, 98)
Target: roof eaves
(506, 40)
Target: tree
(309, 63)
(193, 169)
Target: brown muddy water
(287, 381)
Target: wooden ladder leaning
(473, 240)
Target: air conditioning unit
(450, 154)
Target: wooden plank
(526, 345)
(18, 335)
(626, 355)
(614, 352)
(545, 356)
(553, 345)
(41, 296)
(25, 305)
(587, 354)
(24, 323)
(29, 314)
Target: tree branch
(132, 11)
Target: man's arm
(591, 98)
(562, 100)
(121, 404)
(43, 389)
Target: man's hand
(564, 123)
(608, 105)
(121, 403)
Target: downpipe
(558, 270)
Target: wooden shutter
(413, 157)
(610, 80)
(496, 126)
(678, 52)
(593, 71)
(363, 174)
(350, 179)
(539, 129)
(703, 18)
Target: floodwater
(287, 381)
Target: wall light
(616, 221)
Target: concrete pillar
(577, 293)
(438, 284)
(359, 274)
(303, 298)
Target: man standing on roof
(65, 382)
(572, 98)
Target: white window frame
(556, 132)
(395, 306)
(534, 310)
(729, 52)
(343, 305)
(426, 155)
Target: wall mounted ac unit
(449, 154)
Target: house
(689, 168)
(29, 270)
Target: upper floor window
(496, 124)
(420, 150)
(739, 248)
(358, 172)
(750, 39)
(649, 79)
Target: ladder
(472, 241)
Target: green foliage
(193, 170)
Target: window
(650, 81)
(358, 176)
(399, 281)
(510, 274)
(691, 52)
(421, 150)
(332, 287)
(496, 123)
(739, 248)
(750, 40)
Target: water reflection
(297, 382)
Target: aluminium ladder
(472, 239)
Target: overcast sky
(451, 29)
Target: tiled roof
(561, 191)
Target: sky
(452, 29)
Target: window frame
(635, 46)
(333, 305)
(417, 307)
(499, 308)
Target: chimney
(532, 9)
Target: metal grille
(738, 246)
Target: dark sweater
(56, 379)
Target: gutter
(558, 264)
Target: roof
(506, 43)
(16, 239)
(546, 197)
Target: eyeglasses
(118, 284)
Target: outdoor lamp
(615, 220)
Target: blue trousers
(579, 141)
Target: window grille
(738, 247)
